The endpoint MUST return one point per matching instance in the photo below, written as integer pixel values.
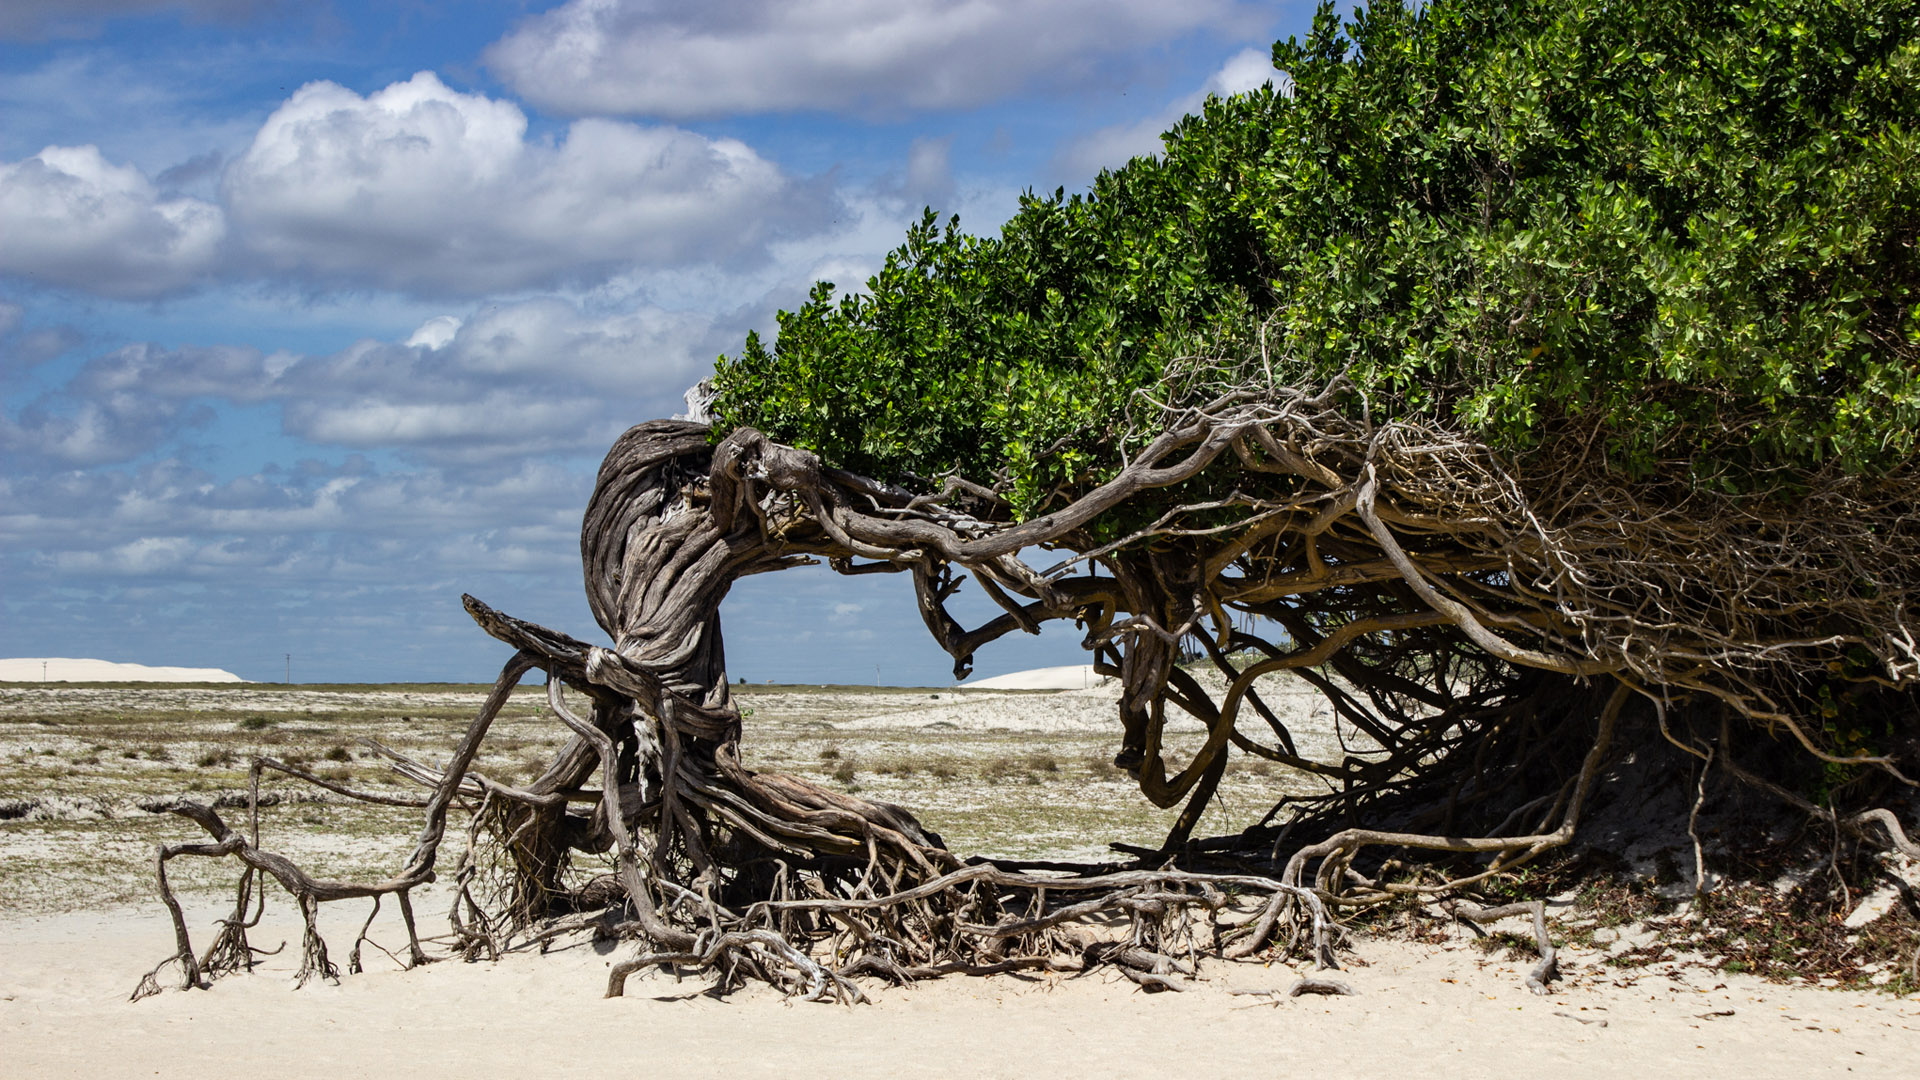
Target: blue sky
(315, 315)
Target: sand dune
(69, 669)
(1069, 677)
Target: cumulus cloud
(104, 417)
(927, 179)
(686, 58)
(199, 170)
(345, 550)
(73, 219)
(630, 351)
(1114, 146)
(421, 188)
(481, 427)
(509, 380)
(435, 333)
(142, 556)
(112, 428)
(37, 346)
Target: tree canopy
(1687, 225)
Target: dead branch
(1477, 625)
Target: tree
(1687, 225)
(1536, 380)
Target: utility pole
(289, 669)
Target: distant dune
(66, 669)
(1070, 677)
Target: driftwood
(1489, 632)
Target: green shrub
(1679, 227)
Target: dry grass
(73, 759)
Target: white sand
(69, 669)
(1422, 1011)
(1070, 677)
(1441, 1011)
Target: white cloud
(94, 433)
(509, 420)
(73, 219)
(1114, 146)
(546, 338)
(1244, 71)
(684, 58)
(312, 523)
(420, 188)
(109, 423)
(344, 565)
(146, 555)
(927, 179)
(435, 333)
(509, 380)
(148, 371)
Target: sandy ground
(1440, 1011)
(1443, 1010)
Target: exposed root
(1316, 984)
(1547, 970)
(1486, 637)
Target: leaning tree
(1537, 381)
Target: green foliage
(1853, 727)
(1691, 224)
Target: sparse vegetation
(941, 769)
